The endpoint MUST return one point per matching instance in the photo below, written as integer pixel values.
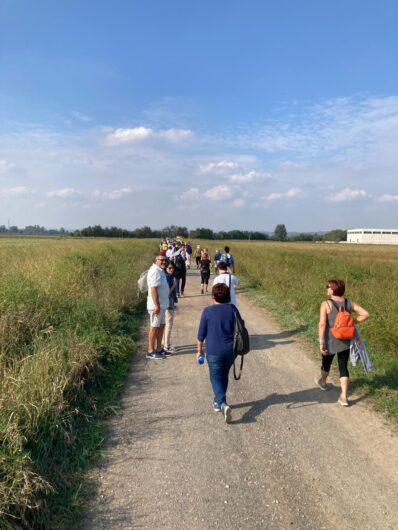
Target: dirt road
(291, 458)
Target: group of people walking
(166, 283)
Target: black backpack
(241, 342)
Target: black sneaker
(163, 353)
(155, 356)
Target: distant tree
(302, 237)
(335, 235)
(280, 233)
(173, 231)
(201, 233)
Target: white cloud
(4, 164)
(288, 164)
(388, 198)
(218, 193)
(238, 203)
(18, 191)
(293, 193)
(121, 136)
(219, 167)
(64, 192)
(113, 195)
(348, 195)
(250, 177)
(175, 135)
(80, 116)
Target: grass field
(68, 318)
(289, 279)
(68, 321)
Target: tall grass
(290, 280)
(68, 317)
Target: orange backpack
(344, 328)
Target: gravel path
(291, 458)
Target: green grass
(289, 280)
(69, 315)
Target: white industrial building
(373, 236)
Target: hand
(156, 311)
(198, 355)
(323, 349)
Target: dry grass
(66, 319)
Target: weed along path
(291, 458)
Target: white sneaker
(169, 349)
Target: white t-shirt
(157, 278)
(227, 278)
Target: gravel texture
(291, 458)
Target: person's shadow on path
(257, 342)
(302, 398)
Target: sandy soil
(291, 458)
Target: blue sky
(214, 113)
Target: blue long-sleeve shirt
(216, 327)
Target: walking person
(157, 303)
(228, 259)
(217, 259)
(205, 265)
(180, 271)
(188, 249)
(198, 255)
(330, 345)
(167, 347)
(229, 279)
(216, 330)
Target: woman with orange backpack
(336, 329)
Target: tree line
(32, 230)
(280, 233)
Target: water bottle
(201, 359)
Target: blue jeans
(219, 367)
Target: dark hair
(221, 293)
(226, 249)
(170, 263)
(222, 266)
(337, 286)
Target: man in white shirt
(229, 279)
(157, 303)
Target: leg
(159, 337)
(325, 367)
(183, 281)
(342, 358)
(168, 327)
(216, 377)
(228, 362)
(151, 339)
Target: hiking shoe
(343, 402)
(169, 350)
(216, 407)
(155, 356)
(323, 386)
(227, 413)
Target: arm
(202, 332)
(360, 311)
(200, 349)
(155, 298)
(322, 327)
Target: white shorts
(157, 320)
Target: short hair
(226, 249)
(337, 286)
(159, 255)
(222, 266)
(221, 293)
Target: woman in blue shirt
(216, 328)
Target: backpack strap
(237, 377)
(229, 274)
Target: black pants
(342, 358)
(197, 261)
(204, 277)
